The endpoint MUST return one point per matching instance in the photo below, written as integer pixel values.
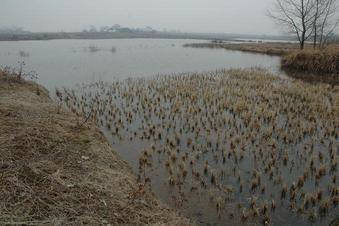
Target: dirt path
(53, 173)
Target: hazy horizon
(216, 16)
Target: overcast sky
(216, 16)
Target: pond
(186, 134)
(69, 62)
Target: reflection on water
(68, 62)
(332, 79)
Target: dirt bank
(54, 173)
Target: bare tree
(317, 13)
(327, 20)
(297, 16)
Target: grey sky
(218, 16)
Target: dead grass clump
(7, 76)
(315, 61)
(93, 49)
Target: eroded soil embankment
(54, 173)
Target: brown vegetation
(53, 172)
(277, 49)
(315, 61)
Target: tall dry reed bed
(315, 61)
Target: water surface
(68, 62)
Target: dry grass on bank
(315, 61)
(275, 49)
(54, 173)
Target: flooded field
(69, 62)
(239, 147)
(169, 113)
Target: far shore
(30, 36)
(267, 48)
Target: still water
(69, 62)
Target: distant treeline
(129, 34)
(117, 31)
(118, 28)
(101, 35)
(13, 30)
